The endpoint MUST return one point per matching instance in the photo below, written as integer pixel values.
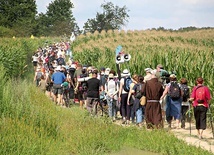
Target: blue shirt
(58, 78)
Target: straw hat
(125, 72)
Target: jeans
(111, 107)
(140, 115)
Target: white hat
(73, 66)
(153, 72)
(58, 68)
(148, 70)
(173, 76)
(108, 69)
(125, 72)
(111, 75)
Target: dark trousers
(184, 110)
(123, 107)
(200, 113)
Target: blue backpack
(127, 82)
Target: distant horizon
(148, 14)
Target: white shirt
(35, 58)
(122, 82)
(111, 87)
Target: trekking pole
(211, 121)
(189, 119)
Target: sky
(147, 14)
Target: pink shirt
(207, 96)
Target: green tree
(42, 25)
(60, 18)
(113, 17)
(18, 15)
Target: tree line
(20, 18)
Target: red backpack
(200, 94)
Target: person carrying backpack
(61, 60)
(38, 75)
(111, 90)
(201, 101)
(82, 89)
(131, 100)
(173, 101)
(136, 92)
(185, 102)
(123, 93)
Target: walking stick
(211, 121)
(189, 119)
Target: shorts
(57, 89)
(34, 63)
(49, 87)
(81, 95)
(90, 102)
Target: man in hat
(58, 78)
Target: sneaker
(123, 121)
(113, 119)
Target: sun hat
(111, 76)
(160, 66)
(173, 76)
(148, 70)
(73, 66)
(125, 72)
(153, 72)
(107, 71)
(58, 68)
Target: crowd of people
(167, 99)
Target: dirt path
(206, 143)
(191, 138)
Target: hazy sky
(146, 14)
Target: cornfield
(190, 54)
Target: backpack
(103, 80)
(138, 93)
(185, 90)
(200, 94)
(127, 82)
(60, 61)
(174, 91)
(83, 86)
(47, 60)
(38, 75)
